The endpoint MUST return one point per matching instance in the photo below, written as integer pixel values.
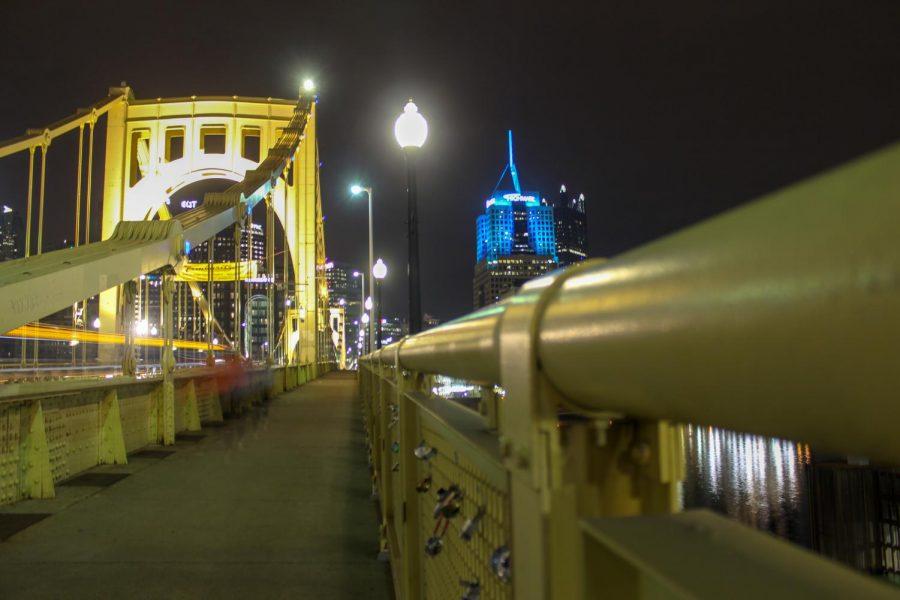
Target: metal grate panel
(136, 413)
(9, 453)
(463, 560)
(72, 435)
(206, 395)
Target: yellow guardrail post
(407, 425)
(529, 439)
(191, 410)
(490, 406)
(111, 448)
(366, 414)
(35, 478)
(557, 475)
(129, 292)
(372, 394)
(382, 398)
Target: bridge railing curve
(778, 318)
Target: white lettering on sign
(188, 204)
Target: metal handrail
(780, 318)
(37, 136)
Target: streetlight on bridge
(356, 190)
(410, 129)
(362, 300)
(379, 272)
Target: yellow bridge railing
(51, 431)
(779, 318)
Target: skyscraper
(342, 285)
(252, 249)
(344, 290)
(516, 239)
(571, 228)
(11, 246)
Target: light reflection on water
(761, 482)
(758, 481)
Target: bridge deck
(276, 504)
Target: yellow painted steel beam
(49, 332)
(54, 130)
(33, 287)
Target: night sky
(662, 113)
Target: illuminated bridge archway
(156, 147)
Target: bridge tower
(158, 146)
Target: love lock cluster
(472, 589)
(424, 452)
(471, 525)
(449, 502)
(501, 564)
(448, 506)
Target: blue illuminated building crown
(515, 222)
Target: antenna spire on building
(512, 165)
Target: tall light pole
(356, 190)
(410, 129)
(379, 272)
(362, 299)
(369, 306)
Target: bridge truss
(153, 148)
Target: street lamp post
(410, 129)
(362, 301)
(356, 190)
(369, 306)
(379, 272)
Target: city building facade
(429, 321)
(571, 227)
(344, 291)
(11, 233)
(393, 329)
(515, 239)
(253, 249)
(342, 285)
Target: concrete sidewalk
(274, 505)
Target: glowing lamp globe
(380, 269)
(368, 303)
(309, 85)
(410, 128)
(356, 189)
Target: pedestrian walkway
(274, 505)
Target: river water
(758, 481)
(766, 483)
